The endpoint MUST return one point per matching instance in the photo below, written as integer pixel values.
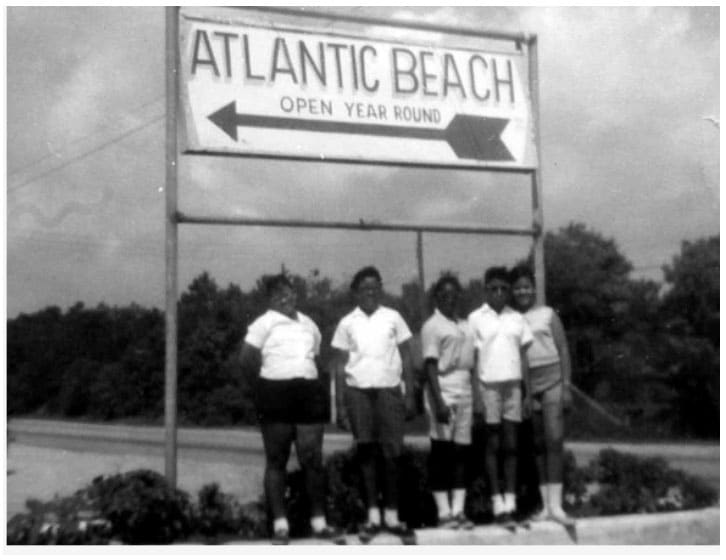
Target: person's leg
(491, 465)
(462, 424)
(492, 397)
(458, 493)
(511, 419)
(391, 418)
(359, 404)
(440, 476)
(277, 438)
(540, 452)
(553, 420)
(509, 451)
(309, 449)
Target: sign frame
(519, 121)
(173, 217)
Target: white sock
(497, 504)
(391, 517)
(318, 523)
(510, 502)
(374, 516)
(280, 524)
(544, 492)
(458, 497)
(442, 504)
(555, 498)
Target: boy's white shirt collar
(360, 311)
(296, 318)
(440, 314)
(486, 308)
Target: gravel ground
(41, 473)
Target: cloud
(625, 150)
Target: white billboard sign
(297, 91)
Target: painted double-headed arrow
(470, 136)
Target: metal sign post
(537, 211)
(279, 83)
(171, 245)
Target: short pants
(458, 429)
(292, 401)
(377, 415)
(546, 383)
(502, 400)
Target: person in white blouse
(549, 380)
(280, 354)
(448, 352)
(374, 393)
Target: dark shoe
(463, 522)
(404, 532)
(330, 534)
(367, 532)
(281, 536)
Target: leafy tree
(694, 287)
(587, 277)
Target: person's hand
(410, 405)
(478, 415)
(342, 420)
(527, 407)
(443, 413)
(566, 397)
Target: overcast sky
(627, 148)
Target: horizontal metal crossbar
(359, 225)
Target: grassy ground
(41, 473)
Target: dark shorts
(292, 401)
(377, 415)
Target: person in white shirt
(372, 362)
(448, 353)
(501, 336)
(549, 380)
(280, 354)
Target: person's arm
(476, 397)
(441, 411)
(526, 382)
(563, 349)
(250, 359)
(407, 362)
(340, 358)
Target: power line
(80, 139)
(126, 134)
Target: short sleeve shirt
(543, 351)
(372, 345)
(451, 344)
(499, 337)
(288, 346)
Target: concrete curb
(697, 527)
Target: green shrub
(74, 520)
(625, 483)
(221, 515)
(142, 508)
(138, 507)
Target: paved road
(237, 446)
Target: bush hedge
(138, 507)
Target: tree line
(648, 353)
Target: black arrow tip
(226, 119)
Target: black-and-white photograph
(363, 276)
